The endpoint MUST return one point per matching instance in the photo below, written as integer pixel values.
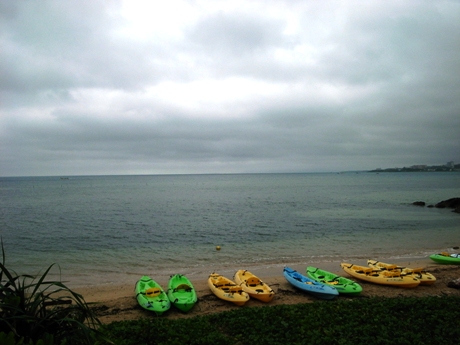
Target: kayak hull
(341, 284)
(445, 258)
(308, 285)
(151, 296)
(380, 277)
(254, 286)
(181, 292)
(425, 277)
(227, 290)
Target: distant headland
(450, 166)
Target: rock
(457, 210)
(419, 203)
(454, 284)
(449, 203)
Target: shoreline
(266, 269)
(274, 272)
(116, 302)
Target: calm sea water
(104, 229)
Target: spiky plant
(34, 309)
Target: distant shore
(421, 168)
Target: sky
(109, 87)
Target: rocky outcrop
(419, 203)
(449, 203)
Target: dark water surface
(103, 229)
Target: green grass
(427, 320)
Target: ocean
(113, 229)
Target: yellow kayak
(425, 277)
(378, 276)
(254, 286)
(227, 289)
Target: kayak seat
(223, 285)
(297, 276)
(235, 289)
(153, 292)
(391, 273)
(364, 270)
(253, 281)
(388, 267)
(183, 287)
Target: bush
(37, 311)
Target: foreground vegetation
(37, 311)
(427, 320)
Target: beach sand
(118, 303)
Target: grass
(426, 320)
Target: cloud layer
(145, 87)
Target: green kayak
(151, 296)
(343, 285)
(181, 292)
(446, 258)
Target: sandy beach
(118, 303)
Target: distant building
(450, 164)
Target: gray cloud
(102, 88)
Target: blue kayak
(309, 285)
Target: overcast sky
(209, 86)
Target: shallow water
(104, 229)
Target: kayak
(379, 276)
(319, 290)
(181, 292)
(227, 290)
(446, 258)
(255, 287)
(151, 296)
(341, 284)
(425, 277)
